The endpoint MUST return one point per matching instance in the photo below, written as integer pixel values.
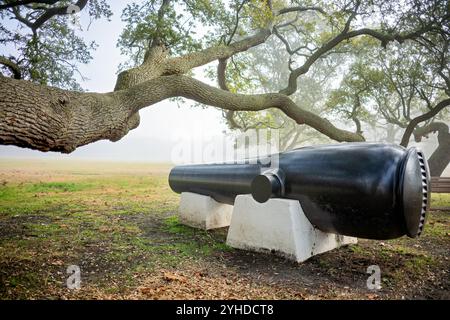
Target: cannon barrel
(365, 190)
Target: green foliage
(51, 54)
(391, 85)
(258, 13)
(264, 69)
(51, 58)
(174, 26)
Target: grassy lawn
(118, 223)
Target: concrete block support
(280, 226)
(203, 212)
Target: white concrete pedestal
(204, 212)
(280, 226)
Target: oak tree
(43, 108)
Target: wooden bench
(440, 184)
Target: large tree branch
(300, 9)
(222, 81)
(51, 12)
(15, 69)
(47, 14)
(179, 85)
(21, 19)
(156, 62)
(236, 22)
(346, 35)
(221, 74)
(51, 119)
(12, 4)
(354, 114)
(424, 117)
(439, 127)
(180, 65)
(157, 39)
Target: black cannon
(365, 190)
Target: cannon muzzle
(365, 190)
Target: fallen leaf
(168, 276)
(372, 296)
(57, 263)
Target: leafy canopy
(48, 53)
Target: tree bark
(424, 117)
(51, 119)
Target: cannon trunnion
(365, 190)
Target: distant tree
(404, 86)
(161, 41)
(265, 70)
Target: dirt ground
(118, 223)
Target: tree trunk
(440, 158)
(423, 117)
(51, 119)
